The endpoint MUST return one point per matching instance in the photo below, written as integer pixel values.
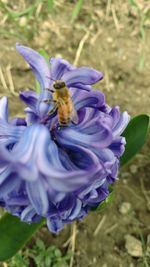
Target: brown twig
(38, 10)
(94, 38)
(99, 226)
(3, 81)
(111, 228)
(81, 45)
(3, 21)
(73, 243)
(10, 80)
(116, 22)
(108, 8)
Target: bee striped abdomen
(64, 112)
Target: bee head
(59, 84)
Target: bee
(62, 104)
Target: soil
(114, 45)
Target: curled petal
(98, 139)
(9, 183)
(32, 162)
(27, 151)
(31, 116)
(121, 124)
(82, 75)
(55, 224)
(118, 146)
(18, 121)
(38, 197)
(38, 64)
(10, 134)
(30, 98)
(114, 172)
(64, 180)
(94, 99)
(29, 215)
(81, 86)
(75, 210)
(58, 67)
(4, 108)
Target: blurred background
(112, 36)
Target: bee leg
(47, 101)
(53, 109)
(50, 90)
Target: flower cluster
(56, 172)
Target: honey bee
(62, 103)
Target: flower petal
(99, 139)
(10, 134)
(30, 98)
(29, 215)
(9, 183)
(94, 99)
(54, 224)
(38, 196)
(38, 64)
(58, 67)
(4, 108)
(75, 210)
(118, 146)
(82, 75)
(121, 124)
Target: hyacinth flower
(47, 170)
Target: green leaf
(14, 234)
(50, 4)
(37, 87)
(135, 134)
(14, 14)
(44, 54)
(77, 9)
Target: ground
(113, 37)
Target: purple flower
(56, 172)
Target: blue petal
(58, 67)
(82, 194)
(28, 152)
(106, 155)
(30, 98)
(4, 108)
(10, 134)
(29, 215)
(38, 196)
(75, 210)
(121, 124)
(38, 64)
(118, 146)
(64, 180)
(99, 139)
(82, 87)
(54, 224)
(32, 161)
(113, 176)
(31, 116)
(18, 121)
(94, 99)
(9, 183)
(82, 75)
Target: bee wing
(74, 116)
